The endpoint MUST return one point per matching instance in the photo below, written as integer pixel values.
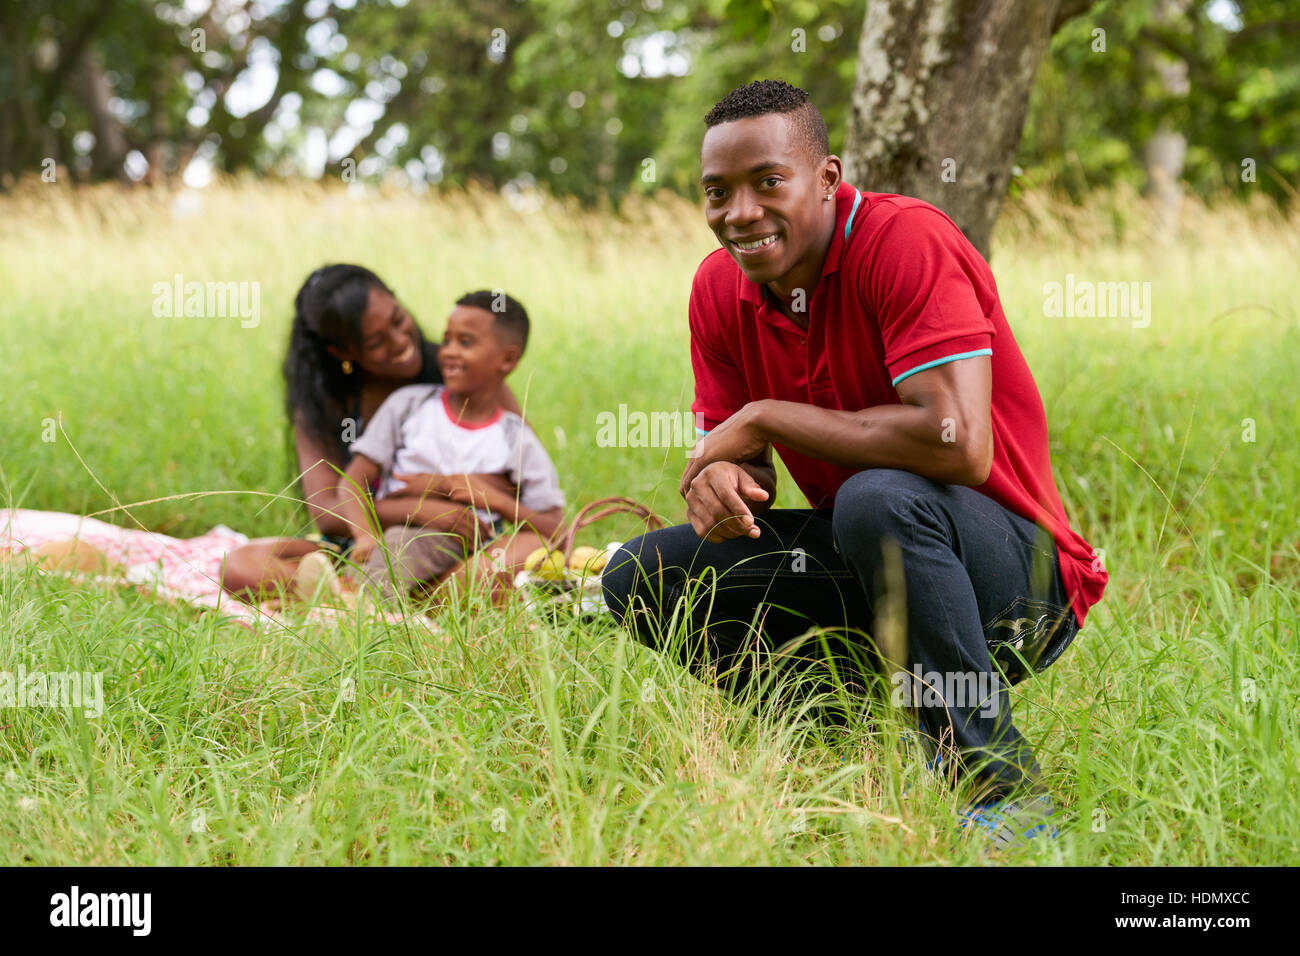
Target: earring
(347, 367)
(829, 198)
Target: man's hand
(717, 502)
(736, 439)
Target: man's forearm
(907, 437)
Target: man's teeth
(757, 243)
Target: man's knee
(625, 570)
(617, 581)
(638, 568)
(877, 502)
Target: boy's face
(473, 357)
(761, 186)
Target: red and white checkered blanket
(184, 570)
(177, 569)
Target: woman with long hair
(352, 344)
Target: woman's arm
(320, 482)
(545, 523)
(437, 514)
(439, 486)
(355, 505)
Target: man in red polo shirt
(861, 336)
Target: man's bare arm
(941, 429)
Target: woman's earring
(347, 367)
(829, 198)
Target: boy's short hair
(508, 315)
(776, 96)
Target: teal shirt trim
(857, 198)
(700, 432)
(941, 361)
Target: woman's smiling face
(389, 344)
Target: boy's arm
(440, 486)
(545, 523)
(355, 504)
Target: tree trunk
(940, 99)
(1167, 148)
(110, 140)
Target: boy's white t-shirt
(414, 432)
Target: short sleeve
(720, 386)
(383, 434)
(535, 475)
(930, 290)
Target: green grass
(1167, 732)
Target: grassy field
(1167, 733)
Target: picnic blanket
(177, 570)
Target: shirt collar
(847, 200)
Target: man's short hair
(508, 315)
(775, 96)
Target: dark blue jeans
(985, 607)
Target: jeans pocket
(1028, 632)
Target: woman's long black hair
(328, 311)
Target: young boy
(456, 429)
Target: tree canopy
(590, 99)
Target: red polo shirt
(901, 290)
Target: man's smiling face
(764, 197)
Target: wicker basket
(579, 590)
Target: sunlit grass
(1167, 733)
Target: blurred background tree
(940, 98)
(595, 99)
(1093, 115)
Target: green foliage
(596, 99)
(1094, 110)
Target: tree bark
(940, 99)
(1167, 148)
(111, 145)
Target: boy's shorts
(416, 555)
